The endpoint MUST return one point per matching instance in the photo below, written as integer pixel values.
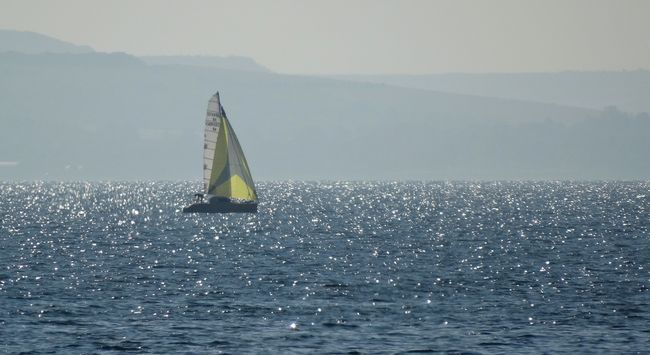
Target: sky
(358, 36)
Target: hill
(112, 116)
(30, 42)
(628, 90)
(228, 63)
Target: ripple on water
(331, 266)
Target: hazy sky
(348, 36)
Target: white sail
(225, 170)
(212, 125)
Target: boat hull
(221, 207)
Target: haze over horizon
(69, 113)
(359, 37)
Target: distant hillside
(99, 116)
(66, 60)
(228, 63)
(30, 42)
(628, 90)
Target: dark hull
(221, 207)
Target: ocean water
(340, 267)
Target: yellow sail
(230, 176)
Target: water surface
(327, 267)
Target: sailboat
(227, 182)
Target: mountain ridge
(34, 43)
(100, 116)
(628, 90)
(221, 62)
(114, 117)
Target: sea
(327, 267)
